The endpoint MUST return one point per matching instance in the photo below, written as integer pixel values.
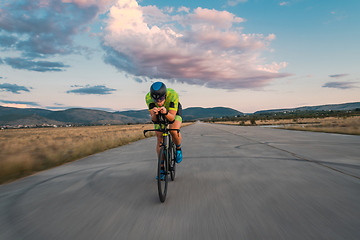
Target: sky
(248, 55)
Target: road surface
(235, 182)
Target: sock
(178, 147)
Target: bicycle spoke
(162, 174)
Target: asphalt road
(234, 183)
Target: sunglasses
(159, 99)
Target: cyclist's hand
(156, 111)
(163, 110)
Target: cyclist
(165, 101)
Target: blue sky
(248, 55)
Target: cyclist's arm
(171, 115)
(153, 114)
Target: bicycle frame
(166, 158)
(163, 128)
(165, 133)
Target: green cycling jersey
(171, 103)
(171, 100)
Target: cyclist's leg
(177, 139)
(175, 136)
(176, 125)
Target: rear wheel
(162, 165)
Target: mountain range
(328, 107)
(79, 116)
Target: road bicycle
(166, 159)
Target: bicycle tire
(162, 183)
(172, 161)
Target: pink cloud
(235, 2)
(223, 19)
(87, 3)
(207, 50)
(183, 9)
(284, 3)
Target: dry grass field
(26, 151)
(350, 125)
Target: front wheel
(162, 168)
(172, 161)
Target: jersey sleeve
(174, 101)
(149, 102)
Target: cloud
(339, 75)
(7, 40)
(14, 88)
(19, 102)
(212, 17)
(139, 80)
(202, 47)
(98, 89)
(284, 3)
(39, 66)
(183, 9)
(101, 4)
(338, 16)
(341, 16)
(169, 9)
(44, 28)
(235, 2)
(340, 85)
(136, 79)
(102, 109)
(56, 108)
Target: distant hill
(23, 111)
(191, 113)
(36, 116)
(334, 107)
(143, 114)
(33, 116)
(194, 113)
(89, 116)
(18, 116)
(32, 120)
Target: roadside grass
(349, 125)
(27, 151)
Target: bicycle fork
(166, 143)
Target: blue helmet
(158, 90)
